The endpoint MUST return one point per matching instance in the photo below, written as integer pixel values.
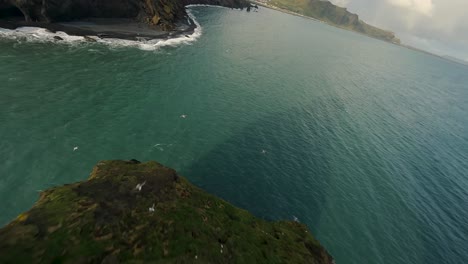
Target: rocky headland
(331, 14)
(129, 19)
(135, 212)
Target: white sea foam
(188, 6)
(157, 43)
(36, 34)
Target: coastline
(287, 11)
(317, 20)
(362, 34)
(95, 29)
(117, 33)
(125, 29)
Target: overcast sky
(439, 26)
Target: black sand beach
(121, 28)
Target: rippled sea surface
(364, 141)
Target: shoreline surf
(114, 32)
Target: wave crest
(36, 34)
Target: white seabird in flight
(140, 185)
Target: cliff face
(334, 15)
(144, 212)
(157, 12)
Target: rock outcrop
(135, 212)
(334, 15)
(164, 13)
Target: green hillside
(334, 15)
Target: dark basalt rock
(164, 13)
(57, 38)
(89, 39)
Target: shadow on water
(273, 167)
(311, 171)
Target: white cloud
(342, 3)
(439, 26)
(424, 7)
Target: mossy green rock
(107, 219)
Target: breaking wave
(37, 34)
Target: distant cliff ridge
(132, 212)
(164, 13)
(334, 15)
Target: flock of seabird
(140, 185)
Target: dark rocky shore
(135, 212)
(120, 28)
(124, 19)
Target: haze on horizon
(438, 26)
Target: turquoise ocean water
(364, 141)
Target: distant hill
(456, 60)
(334, 15)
